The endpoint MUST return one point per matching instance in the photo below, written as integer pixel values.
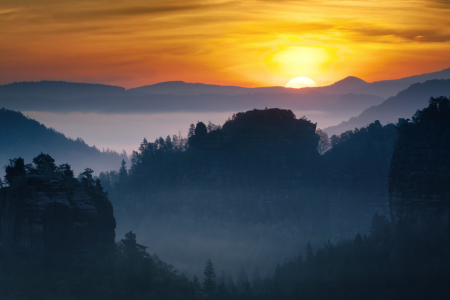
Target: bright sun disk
(300, 82)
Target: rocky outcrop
(358, 167)
(54, 216)
(419, 177)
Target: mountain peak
(345, 85)
(350, 80)
(189, 89)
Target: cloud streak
(221, 42)
(146, 10)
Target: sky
(243, 42)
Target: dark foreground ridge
(57, 241)
(419, 178)
(408, 258)
(46, 211)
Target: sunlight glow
(300, 82)
(248, 43)
(305, 60)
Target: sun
(300, 82)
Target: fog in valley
(263, 203)
(185, 239)
(120, 132)
(224, 150)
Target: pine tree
(191, 130)
(168, 144)
(123, 172)
(358, 239)
(334, 140)
(209, 283)
(16, 168)
(200, 129)
(44, 163)
(65, 170)
(144, 146)
(87, 179)
(131, 248)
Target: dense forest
(386, 264)
(25, 137)
(261, 174)
(234, 177)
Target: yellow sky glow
(243, 42)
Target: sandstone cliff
(419, 177)
(53, 214)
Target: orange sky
(243, 42)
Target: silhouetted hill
(347, 105)
(341, 100)
(196, 89)
(343, 86)
(406, 258)
(58, 89)
(191, 89)
(403, 105)
(21, 136)
(273, 137)
(58, 215)
(351, 84)
(360, 159)
(260, 173)
(346, 85)
(420, 169)
(60, 230)
(388, 88)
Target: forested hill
(360, 158)
(261, 174)
(247, 150)
(24, 137)
(405, 259)
(231, 189)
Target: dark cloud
(131, 11)
(377, 34)
(447, 2)
(443, 4)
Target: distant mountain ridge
(348, 104)
(331, 104)
(350, 84)
(21, 136)
(403, 105)
(388, 88)
(178, 96)
(344, 86)
(191, 89)
(58, 89)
